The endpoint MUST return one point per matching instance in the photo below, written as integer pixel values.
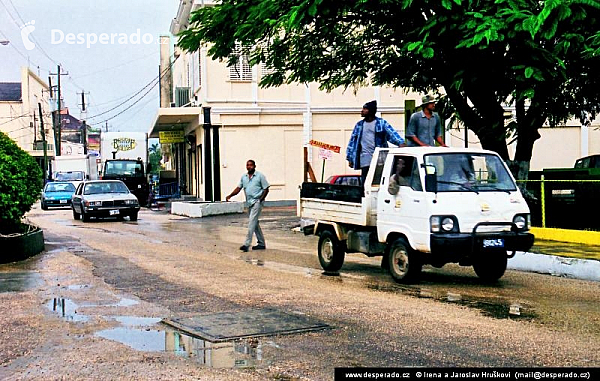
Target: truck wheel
(404, 264)
(133, 216)
(75, 214)
(490, 265)
(331, 252)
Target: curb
(565, 235)
(586, 269)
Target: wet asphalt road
(179, 267)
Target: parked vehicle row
(93, 198)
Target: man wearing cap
(425, 127)
(369, 133)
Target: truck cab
(132, 173)
(425, 206)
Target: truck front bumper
(464, 243)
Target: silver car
(104, 198)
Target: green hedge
(20, 184)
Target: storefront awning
(175, 118)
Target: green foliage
(154, 158)
(484, 54)
(20, 184)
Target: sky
(109, 69)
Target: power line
(116, 66)
(154, 82)
(22, 25)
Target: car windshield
(105, 187)
(60, 187)
(465, 172)
(69, 176)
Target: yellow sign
(325, 146)
(167, 137)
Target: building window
(240, 71)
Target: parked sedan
(57, 193)
(344, 180)
(104, 198)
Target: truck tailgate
(330, 210)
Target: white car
(104, 198)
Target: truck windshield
(69, 176)
(460, 172)
(126, 168)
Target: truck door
(401, 205)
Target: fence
(568, 204)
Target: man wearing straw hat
(425, 127)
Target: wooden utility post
(57, 126)
(44, 143)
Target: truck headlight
(443, 224)
(447, 224)
(522, 221)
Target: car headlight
(131, 202)
(443, 224)
(522, 221)
(93, 203)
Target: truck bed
(331, 202)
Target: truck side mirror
(430, 179)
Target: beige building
(269, 125)
(19, 114)
(273, 125)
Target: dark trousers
(363, 174)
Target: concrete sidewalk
(562, 252)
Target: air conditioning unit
(182, 96)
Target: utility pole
(58, 126)
(84, 126)
(44, 142)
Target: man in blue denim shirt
(369, 133)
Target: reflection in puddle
(19, 281)
(234, 354)
(66, 309)
(496, 308)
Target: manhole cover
(225, 326)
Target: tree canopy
(540, 56)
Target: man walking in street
(256, 188)
(425, 127)
(368, 134)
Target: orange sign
(326, 146)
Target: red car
(344, 180)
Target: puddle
(78, 286)
(66, 309)
(19, 281)
(230, 354)
(125, 302)
(134, 321)
(496, 308)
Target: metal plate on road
(224, 326)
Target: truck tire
(75, 214)
(490, 265)
(331, 252)
(404, 263)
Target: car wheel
(44, 206)
(404, 263)
(490, 265)
(84, 217)
(133, 216)
(75, 214)
(331, 251)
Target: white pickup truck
(422, 206)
